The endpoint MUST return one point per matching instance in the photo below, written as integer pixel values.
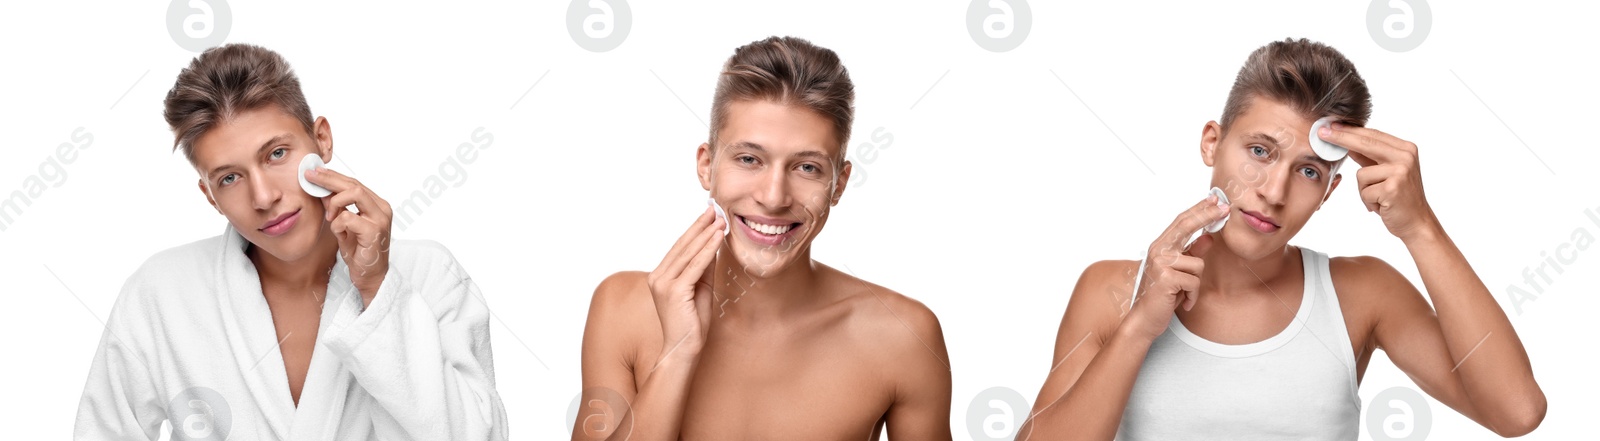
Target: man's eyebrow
(1259, 136)
(747, 145)
(1312, 157)
(264, 146)
(757, 147)
(811, 154)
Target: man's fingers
(1367, 176)
(1381, 136)
(346, 192)
(683, 241)
(1189, 299)
(1374, 196)
(1200, 247)
(1192, 219)
(1363, 160)
(353, 223)
(1371, 144)
(338, 203)
(684, 260)
(333, 181)
(1189, 264)
(1185, 282)
(709, 241)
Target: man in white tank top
(1239, 335)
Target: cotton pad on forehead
(1222, 198)
(1326, 150)
(311, 162)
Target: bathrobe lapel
(322, 398)
(251, 335)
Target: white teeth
(770, 230)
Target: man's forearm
(657, 410)
(1091, 409)
(1489, 357)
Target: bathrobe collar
(253, 340)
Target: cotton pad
(1222, 198)
(311, 162)
(720, 214)
(1325, 150)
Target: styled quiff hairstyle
(1309, 77)
(226, 80)
(791, 71)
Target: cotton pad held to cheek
(1326, 150)
(720, 214)
(1222, 198)
(311, 162)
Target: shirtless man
(1239, 335)
(743, 336)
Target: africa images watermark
(52, 173)
(452, 173)
(1537, 277)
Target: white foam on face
(1326, 150)
(1222, 198)
(310, 162)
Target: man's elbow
(1521, 419)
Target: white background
(999, 186)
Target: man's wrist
(1132, 330)
(1430, 234)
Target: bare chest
(809, 386)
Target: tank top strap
(1327, 323)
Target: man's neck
(1227, 273)
(765, 297)
(307, 273)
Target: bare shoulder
(1368, 279)
(621, 314)
(1102, 294)
(619, 290)
(1370, 289)
(1109, 273)
(906, 325)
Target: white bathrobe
(191, 341)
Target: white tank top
(1299, 384)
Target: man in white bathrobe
(302, 321)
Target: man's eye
(746, 160)
(808, 168)
(279, 152)
(229, 179)
(1310, 172)
(1258, 151)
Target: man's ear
(206, 191)
(702, 166)
(840, 181)
(1210, 136)
(1334, 185)
(323, 135)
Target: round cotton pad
(720, 214)
(1325, 150)
(1222, 198)
(309, 162)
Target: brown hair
(1312, 78)
(226, 80)
(787, 70)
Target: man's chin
(763, 261)
(1250, 246)
(288, 248)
